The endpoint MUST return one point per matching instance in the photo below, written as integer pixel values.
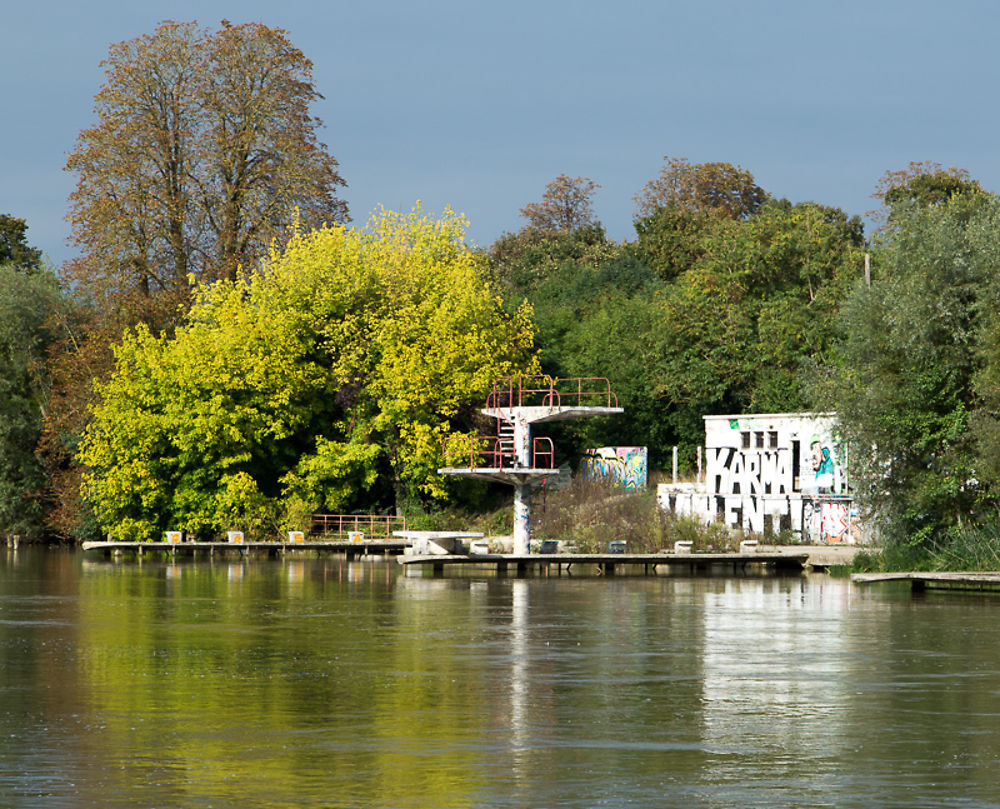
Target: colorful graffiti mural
(626, 466)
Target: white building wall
(772, 472)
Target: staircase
(505, 434)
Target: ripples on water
(323, 683)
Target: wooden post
(868, 270)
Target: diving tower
(513, 456)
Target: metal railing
(480, 451)
(543, 454)
(548, 391)
(373, 526)
(487, 452)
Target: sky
(477, 106)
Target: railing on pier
(373, 526)
(487, 452)
(549, 391)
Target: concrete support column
(522, 441)
(522, 518)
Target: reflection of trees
(317, 682)
(219, 668)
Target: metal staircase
(505, 439)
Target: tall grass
(588, 514)
(975, 547)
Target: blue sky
(479, 105)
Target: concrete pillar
(522, 518)
(522, 441)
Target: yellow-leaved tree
(327, 380)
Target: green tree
(593, 303)
(14, 248)
(740, 327)
(708, 187)
(916, 381)
(923, 183)
(326, 381)
(28, 302)
(204, 152)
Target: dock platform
(351, 549)
(607, 563)
(983, 581)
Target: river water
(325, 683)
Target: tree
(708, 187)
(915, 385)
(328, 381)
(204, 152)
(27, 303)
(924, 183)
(566, 205)
(14, 249)
(739, 327)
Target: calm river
(322, 683)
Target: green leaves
(28, 304)
(325, 382)
(918, 368)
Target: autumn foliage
(203, 153)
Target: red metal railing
(548, 391)
(480, 451)
(543, 454)
(374, 526)
(486, 452)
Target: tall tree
(27, 304)
(204, 152)
(757, 305)
(14, 248)
(566, 205)
(917, 380)
(706, 187)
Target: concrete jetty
(351, 549)
(987, 581)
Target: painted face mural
(822, 463)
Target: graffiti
(834, 520)
(626, 466)
(826, 470)
(730, 471)
(773, 473)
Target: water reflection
(520, 677)
(321, 682)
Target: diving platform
(513, 456)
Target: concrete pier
(351, 549)
(608, 564)
(987, 581)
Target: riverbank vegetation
(226, 349)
